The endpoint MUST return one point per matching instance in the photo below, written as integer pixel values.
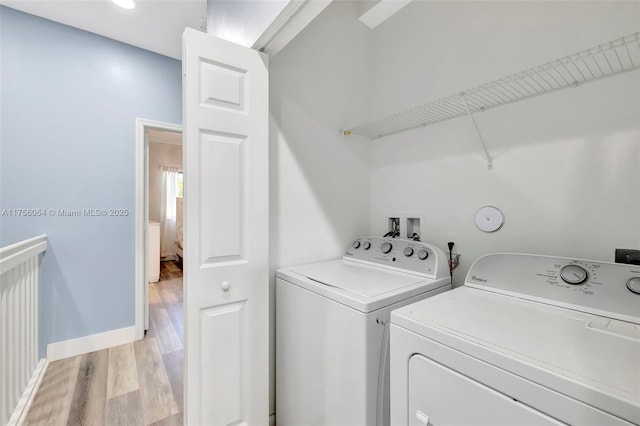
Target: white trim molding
(91, 343)
(288, 24)
(141, 207)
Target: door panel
(221, 195)
(222, 85)
(223, 324)
(225, 107)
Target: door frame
(141, 213)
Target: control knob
(423, 254)
(573, 274)
(408, 251)
(366, 245)
(386, 247)
(356, 244)
(633, 284)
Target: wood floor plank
(150, 333)
(125, 409)
(174, 364)
(176, 288)
(171, 267)
(165, 333)
(156, 394)
(52, 402)
(177, 318)
(154, 297)
(123, 371)
(174, 420)
(169, 270)
(89, 403)
(165, 292)
(132, 384)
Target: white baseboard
(24, 403)
(94, 342)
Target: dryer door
(441, 396)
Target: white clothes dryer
(332, 323)
(528, 340)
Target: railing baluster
(3, 348)
(19, 362)
(12, 337)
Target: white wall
(90, 83)
(566, 163)
(160, 154)
(319, 181)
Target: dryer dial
(573, 274)
(423, 254)
(366, 245)
(386, 247)
(356, 244)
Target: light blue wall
(69, 100)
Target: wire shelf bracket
(475, 125)
(608, 59)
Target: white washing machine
(528, 340)
(332, 323)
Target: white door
(226, 137)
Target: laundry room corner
(562, 163)
(319, 185)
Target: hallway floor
(138, 383)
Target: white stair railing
(20, 367)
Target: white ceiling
(243, 21)
(155, 25)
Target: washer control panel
(396, 253)
(603, 288)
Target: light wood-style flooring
(138, 383)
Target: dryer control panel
(602, 288)
(405, 255)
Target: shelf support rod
(475, 124)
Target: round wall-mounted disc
(489, 219)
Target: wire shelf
(592, 64)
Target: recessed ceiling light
(125, 4)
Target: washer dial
(386, 247)
(573, 274)
(356, 244)
(423, 254)
(408, 251)
(633, 284)
(366, 245)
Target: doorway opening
(159, 223)
(165, 191)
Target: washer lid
(362, 280)
(591, 358)
(362, 287)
